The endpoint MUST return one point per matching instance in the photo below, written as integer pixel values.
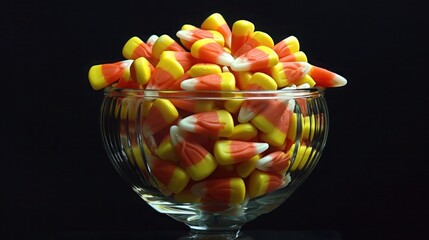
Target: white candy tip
(126, 63)
(152, 39)
(183, 34)
(291, 105)
(339, 81)
(261, 147)
(188, 123)
(175, 135)
(189, 84)
(240, 64)
(225, 59)
(263, 163)
(306, 67)
(245, 115)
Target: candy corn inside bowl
(214, 160)
(218, 129)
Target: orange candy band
(103, 75)
(212, 82)
(169, 174)
(258, 58)
(194, 158)
(213, 123)
(210, 51)
(223, 190)
(233, 151)
(217, 22)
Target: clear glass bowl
(214, 160)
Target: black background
(56, 180)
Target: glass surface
(214, 160)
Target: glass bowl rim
(312, 92)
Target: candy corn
(250, 108)
(187, 196)
(242, 30)
(261, 183)
(294, 57)
(169, 174)
(233, 151)
(126, 81)
(217, 22)
(326, 78)
(258, 38)
(141, 70)
(214, 82)
(267, 119)
(261, 81)
(210, 51)
(194, 158)
(285, 73)
(213, 123)
(102, 75)
(242, 79)
(165, 43)
(244, 132)
(162, 114)
(223, 190)
(185, 59)
(244, 169)
(135, 48)
(190, 36)
(287, 46)
(201, 69)
(258, 58)
(166, 73)
(151, 40)
(166, 150)
(194, 106)
(274, 162)
(277, 136)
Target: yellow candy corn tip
(96, 78)
(242, 27)
(213, 21)
(203, 168)
(263, 80)
(172, 66)
(179, 180)
(161, 44)
(263, 39)
(168, 113)
(142, 70)
(130, 46)
(293, 43)
(188, 27)
(244, 132)
(201, 69)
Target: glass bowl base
(215, 234)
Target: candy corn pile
(212, 57)
(207, 151)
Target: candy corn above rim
(213, 56)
